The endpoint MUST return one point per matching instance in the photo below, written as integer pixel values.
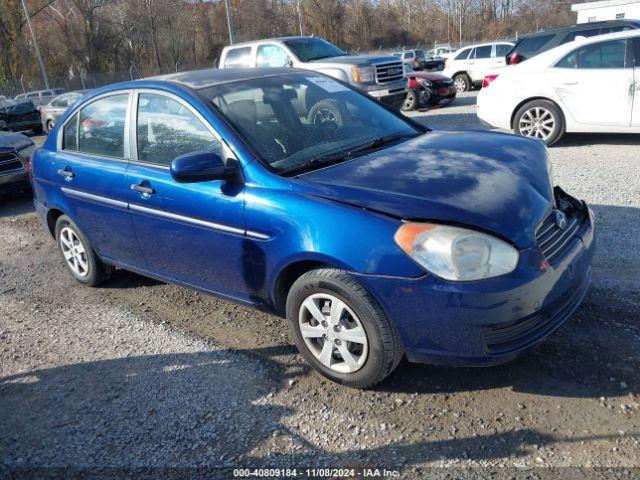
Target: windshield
(295, 120)
(307, 49)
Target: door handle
(143, 189)
(66, 173)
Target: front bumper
(491, 321)
(14, 181)
(392, 94)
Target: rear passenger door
(90, 165)
(596, 83)
(480, 62)
(191, 233)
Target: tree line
(85, 43)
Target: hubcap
(537, 122)
(333, 333)
(408, 101)
(74, 252)
(460, 84)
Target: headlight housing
(454, 253)
(426, 83)
(362, 74)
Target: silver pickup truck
(381, 77)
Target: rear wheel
(341, 330)
(79, 257)
(540, 119)
(462, 82)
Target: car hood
(489, 181)
(11, 141)
(358, 59)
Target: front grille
(9, 162)
(552, 240)
(389, 72)
(529, 330)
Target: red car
(427, 89)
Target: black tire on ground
(97, 271)
(441, 66)
(462, 82)
(411, 101)
(384, 346)
(549, 111)
(327, 110)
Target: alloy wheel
(537, 122)
(74, 252)
(333, 333)
(461, 84)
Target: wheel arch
(52, 217)
(531, 99)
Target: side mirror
(3, 125)
(200, 166)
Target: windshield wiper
(314, 162)
(379, 142)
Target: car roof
(209, 77)
(273, 39)
(582, 26)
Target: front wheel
(540, 119)
(411, 101)
(341, 330)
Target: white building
(607, 10)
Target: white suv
(469, 65)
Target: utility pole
(227, 6)
(300, 19)
(35, 45)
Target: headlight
(426, 83)
(26, 153)
(362, 74)
(454, 253)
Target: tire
(50, 125)
(89, 269)
(462, 82)
(440, 67)
(327, 110)
(540, 119)
(411, 101)
(373, 359)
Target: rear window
(238, 57)
(533, 44)
(502, 50)
(419, 54)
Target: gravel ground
(143, 374)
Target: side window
(483, 52)
(269, 56)
(167, 129)
(636, 50)
(238, 57)
(70, 134)
(463, 54)
(408, 55)
(502, 50)
(61, 101)
(102, 126)
(570, 61)
(603, 55)
(581, 33)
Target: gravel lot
(143, 374)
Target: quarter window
(167, 129)
(463, 54)
(502, 50)
(483, 52)
(270, 56)
(238, 57)
(70, 134)
(102, 126)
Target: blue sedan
(291, 192)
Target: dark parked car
(531, 45)
(50, 112)
(19, 116)
(376, 239)
(417, 60)
(427, 89)
(15, 158)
